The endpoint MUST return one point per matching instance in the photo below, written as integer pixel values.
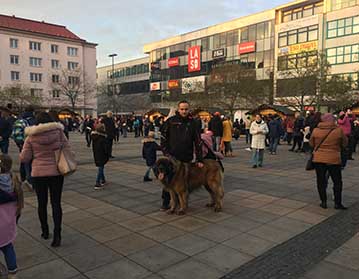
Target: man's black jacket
(216, 126)
(179, 139)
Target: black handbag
(310, 164)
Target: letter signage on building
(174, 83)
(247, 47)
(155, 86)
(298, 48)
(173, 62)
(194, 59)
(219, 53)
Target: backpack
(18, 132)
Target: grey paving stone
(217, 232)
(190, 244)
(89, 224)
(120, 269)
(157, 257)
(331, 271)
(346, 257)
(190, 269)
(291, 225)
(73, 243)
(240, 223)
(272, 234)
(223, 258)
(108, 233)
(140, 224)
(189, 223)
(162, 233)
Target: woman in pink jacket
(40, 145)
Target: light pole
(113, 55)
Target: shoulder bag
(66, 160)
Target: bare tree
(20, 96)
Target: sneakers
(248, 149)
(99, 187)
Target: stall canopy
(355, 108)
(271, 110)
(157, 113)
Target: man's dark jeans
(4, 146)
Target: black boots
(45, 233)
(340, 207)
(56, 242)
(323, 204)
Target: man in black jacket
(5, 132)
(216, 126)
(88, 128)
(110, 131)
(179, 140)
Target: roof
(40, 27)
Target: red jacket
(40, 145)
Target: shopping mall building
(266, 43)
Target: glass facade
(129, 71)
(295, 61)
(297, 36)
(342, 4)
(343, 27)
(301, 12)
(343, 54)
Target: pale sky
(124, 26)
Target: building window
(35, 45)
(295, 61)
(72, 65)
(301, 12)
(15, 75)
(35, 77)
(14, 43)
(35, 92)
(343, 27)
(301, 35)
(73, 80)
(72, 51)
(54, 48)
(35, 62)
(55, 78)
(14, 59)
(343, 54)
(55, 94)
(342, 4)
(55, 64)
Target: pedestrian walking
(327, 140)
(101, 154)
(227, 137)
(149, 153)
(258, 130)
(5, 132)
(275, 132)
(345, 123)
(110, 131)
(41, 143)
(11, 204)
(215, 125)
(88, 127)
(298, 133)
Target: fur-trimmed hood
(42, 128)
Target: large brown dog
(180, 179)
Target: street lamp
(113, 55)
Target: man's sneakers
(146, 179)
(99, 187)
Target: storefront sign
(155, 66)
(174, 83)
(247, 47)
(298, 48)
(155, 86)
(219, 53)
(172, 62)
(193, 85)
(194, 59)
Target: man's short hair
(183, 102)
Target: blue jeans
(273, 143)
(147, 174)
(100, 175)
(4, 146)
(257, 157)
(217, 144)
(10, 256)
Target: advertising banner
(219, 53)
(193, 85)
(298, 48)
(174, 83)
(247, 47)
(194, 59)
(172, 62)
(155, 86)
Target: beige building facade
(50, 61)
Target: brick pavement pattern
(119, 232)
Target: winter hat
(341, 113)
(151, 134)
(100, 128)
(328, 117)
(5, 163)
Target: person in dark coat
(298, 132)
(110, 131)
(275, 132)
(88, 128)
(149, 153)
(5, 132)
(100, 153)
(215, 125)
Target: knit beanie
(5, 163)
(328, 117)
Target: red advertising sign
(194, 59)
(172, 62)
(247, 47)
(174, 83)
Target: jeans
(42, 185)
(297, 141)
(248, 136)
(88, 137)
(257, 157)
(100, 175)
(335, 173)
(289, 138)
(4, 146)
(147, 174)
(227, 147)
(217, 144)
(124, 131)
(10, 256)
(273, 144)
(109, 144)
(157, 130)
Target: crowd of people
(184, 137)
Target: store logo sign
(173, 62)
(155, 86)
(247, 47)
(298, 48)
(174, 83)
(219, 53)
(194, 59)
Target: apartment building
(44, 58)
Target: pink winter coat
(7, 223)
(346, 125)
(40, 145)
